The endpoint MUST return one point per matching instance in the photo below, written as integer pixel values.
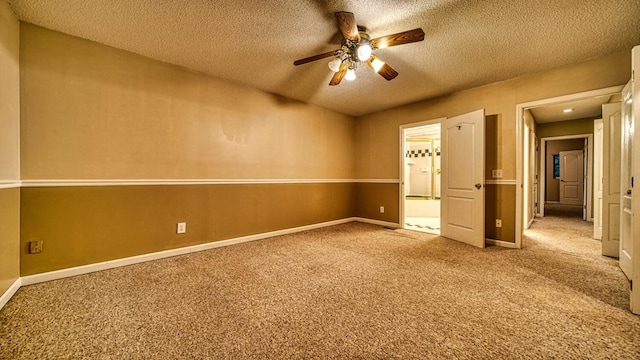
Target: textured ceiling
(254, 42)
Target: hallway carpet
(352, 291)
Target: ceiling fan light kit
(351, 74)
(357, 48)
(334, 64)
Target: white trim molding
(500, 182)
(377, 222)
(379, 181)
(11, 184)
(134, 182)
(4, 299)
(501, 243)
(152, 182)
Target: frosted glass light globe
(350, 75)
(334, 64)
(364, 52)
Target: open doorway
(548, 119)
(421, 182)
(565, 168)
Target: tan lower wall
(370, 196)
(9, 237)
(83, 225)
(500, 200)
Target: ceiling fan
(357, 48)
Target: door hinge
(630, 285)
(632, 181)
(633, 73)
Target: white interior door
(585, 185)
(571, 177)
(597, 176)
(462, 193)
(612, 121)
(626, 159)
(634, 246)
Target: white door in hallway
(571, 177)
(630, 196)
(462, 193)
(629, 156)
(626, 184)
(598, 129)
(612, 121)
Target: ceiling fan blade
(348, 26)
(406, 37)
(315, 57)
(387, 72)
(338, 76)
(384, 69)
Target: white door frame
(520, 144)
(543, 169)
(403, 151)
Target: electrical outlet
(382, 209)
(496, 174)
(35, 246)
(498, 223)
(182, 228)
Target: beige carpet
(563, 210)
(353, 291)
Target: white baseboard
(86, 269)
(110, 264)
(376, 222)
(530, 222)
(4, 299)
(501, 243)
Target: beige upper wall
(9, 94)
(94, 112)
(561, 128)
(9, 147)
(377, 134)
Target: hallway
(574, 257)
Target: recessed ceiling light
(567, 110)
